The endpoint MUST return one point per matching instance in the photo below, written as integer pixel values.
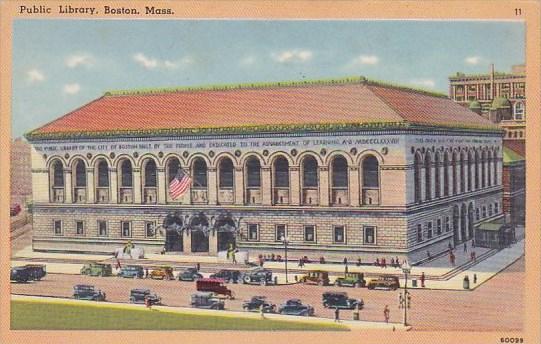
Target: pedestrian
(118, 266)
(465, 248)
(392, 261)
(386, 313)
(345, 261)
(422, 279)
(452, 258)
(377, 262)
(146, 272)
(450, 246)
(234, 256)
(474, 278)
(300, 262)
(336, 314)
(346, 269)
(471, 256)
(359, 261)
(400, 300)
(198, 266)
(428, 254)
(148, 304)
(383, 263)
(396, 262)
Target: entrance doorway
(456, 223)
(199, 226)
(173, 237)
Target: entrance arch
(226, 228)
(199, 226)
(470, 221)
(456, 222)
(173, 234)
(463, 223)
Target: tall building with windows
(338, 168)
(498, 96)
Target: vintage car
(256, 302)
(228, 275)
(141, 295)
(87, 292)
(316, 277)
(97, 269)
(214, 285)
(29, 272)
(190, 274)
(340, 300)
(15, 209)
(351, 279)
(257, 276)
(131, 271)
(19, 274)
(295, 307)
(163, 272)
(384, 282)
(207, 300)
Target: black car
(255, 303)
(87, 292)
(132, 271)
(227, 275)
(257, 276)
(140, 295)
(190, 274)
(29, 272)
(295, 307)
(341, 301)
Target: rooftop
(331, 104)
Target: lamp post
(285, 240)
(406, 269)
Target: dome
(475, 105)
(500, 102)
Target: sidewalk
(354, 325)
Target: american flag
(179, 184)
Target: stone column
(212, 185)
(186, 242)
(266, 186)
(324, 186)
(113, 188)
(68, 190)
(294, 185)
(239, 185)
(137, 185)
(354, 189)
(90, 190)
(213, 243)
(432, 179)
(422, 187)
(162, 186)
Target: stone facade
(20, 172)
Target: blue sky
(59, 65)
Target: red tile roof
(517, 146)
(350, 101)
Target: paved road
(493, 306)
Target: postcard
(267, 171)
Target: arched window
(476, 169)
(489, 168)
(437, 178)
(150, 193)
(253, 181)
(496, 163)
(483, 168)
(470, 168)
(225, 171)
(370, 180)
(173, 167)
(339, 174)
(126, 182)
(446, 174)
(428, 177)
(57, 181)
(455, 174)
(463, 163)
(79, 182)
(281, 181)
(102, 182)
(199, 174)
(417, 178)
(310, 182)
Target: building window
(57, 227)
(429, 230)
(253, 232)
(199, 174)
(80, 174)
(280, 232)
(519, 111)
(484, 212)
(477, 214)
(437, 177)
(281, 172)
(428, 177)
(80, 227)
(125, 229)
(103, 174)
(310, 233)
(253, 176)
(447, 223)
(496, 209)
(126, 179)
(446, 174)
(495, 168)
(490, 210)
(417, 178)
(339, 234)
(58, 174)
(102, 228)
(173, 166)
(438, 226)
(369, 235)
(150, 174)
(226, 173)
(419, 233)
(370, 176)
(150, 229)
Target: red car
(215, 285)
(14, 210)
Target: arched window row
(449, 172)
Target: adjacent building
(338, 168)
(20, 172)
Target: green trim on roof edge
(339, 127)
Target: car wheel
(263, 282)
(321, 283)
(358, 284)
(246, 280)
(325, 304)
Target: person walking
(345, 261)
(422, 279)
(198, 266)
(146, 272)
(386, 313)
(474, 278)
(336, 314)
(465, 248)
(383, 263)
(452, 258)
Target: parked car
(340, 300)
(316, 277)
(131, 271)
(207, 300)
(351, 279)
(87, 292)
(213, 285)
(97, 269)
(162, 272)
(257, 276)
(227, 275)
(19, 274)
(255, 303)
(384, 282)
(190, 274)
(29, 272)
(15, 209)
(141, 295)
(295, 307)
